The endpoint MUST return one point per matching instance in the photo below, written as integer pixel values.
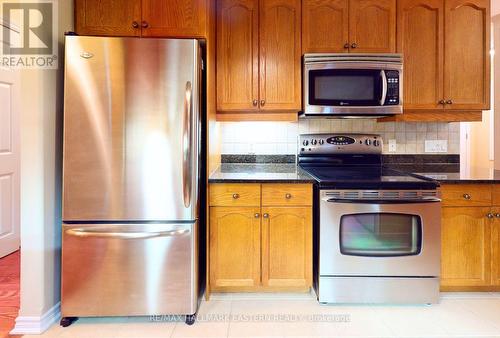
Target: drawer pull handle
(467, 196)
(236, 196)
(288, 196)
(257, 215)
(490, 215)
(265, 215)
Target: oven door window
(380, 235)
(345, 87)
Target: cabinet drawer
(463, 195)
(286, 194)
(495, 192)
(226, 195)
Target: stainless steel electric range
(377, 231)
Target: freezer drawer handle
(186, 145)
(125, 235)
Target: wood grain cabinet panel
(495, 248)
(466, 195)
(235, 248)
(466, 251)
(467, 59)
(175, 18)
(372, 26)
(237, 55)
(287, 247)
(495, 194)
(325, 26)
(420, 39)
(286, 194)
(234, 195)
(107, 18)
(280, 55)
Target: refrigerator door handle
(186, 144)
(101, 233)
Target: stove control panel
(325, 144)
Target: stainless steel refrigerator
(131, 169)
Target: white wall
(41, 126)
(281, 137)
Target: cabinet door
(466, 251)
(175, 18)
(467, 58)
(234, 248)
(372, 26)
(280, 55)
(495, 247)
(237, 55)
(421, 41)
(287, 247)
(108, 18)
(325, 26)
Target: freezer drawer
(129, 270)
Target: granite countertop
(475, 175)
(259, 172)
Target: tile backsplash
(266, 138)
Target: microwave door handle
(384, 87)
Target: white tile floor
(271, 315)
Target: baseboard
(35, 324)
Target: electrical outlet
(392, 146)
(436, 146)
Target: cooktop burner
(352, 161)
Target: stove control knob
(314, 142)
(305, 143)
(368, 142)
(376, 143)
(321, 142)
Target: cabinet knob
(262, 102)
(257, 215)
(442, 102)
(497, 215)
(144, 24)
(467, 196)
(236, 196)
(135, 24)
(346, 46)
(288, 196)
(354, 45)
(449, 102)
(255, 103)
(490, 215)
(265, 215)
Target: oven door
(380, 238)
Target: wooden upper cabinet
(420, 39)
(174, 18)
(108, 18)
(372, 26)
(237, 55)
(325, 26)
(467, 58)
(466, 248)
(287, 247)
(280, 55)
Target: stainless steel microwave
(350, 85)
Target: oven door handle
(371, 201)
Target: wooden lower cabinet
(287, 247)
(235, 248)
(495, 248)
(466, 250)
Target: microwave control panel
(392, 98)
